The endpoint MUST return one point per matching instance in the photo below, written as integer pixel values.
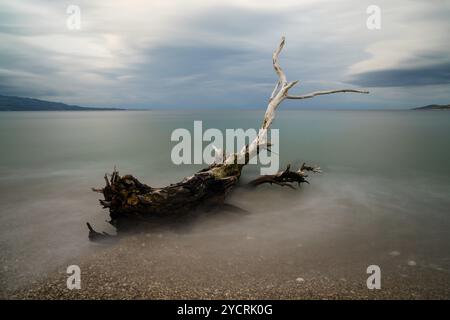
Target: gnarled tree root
(131, 202)
(286, 178)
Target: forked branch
(287, 178)
(279, 94)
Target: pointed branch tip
(319, 93)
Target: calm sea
(385, 189)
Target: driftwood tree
(130, 200)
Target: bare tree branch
(275, 90)
(319, 93)
(279, 94)
(276, 64)
(285, 178)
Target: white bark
(279, 94)
(319, 93)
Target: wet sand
(169, 265)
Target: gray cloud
(178, 61)
(226, 20)
(205, 54)
(436, 74)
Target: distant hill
(434, 107)
(10, 103)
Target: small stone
(300, 280)
(412, 263)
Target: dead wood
(286, 178)
(127, 199)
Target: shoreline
(147, 266)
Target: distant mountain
(434, 107)
(10, 103)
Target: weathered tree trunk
(130, 200)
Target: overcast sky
(217, 54)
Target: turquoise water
(385, 186)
